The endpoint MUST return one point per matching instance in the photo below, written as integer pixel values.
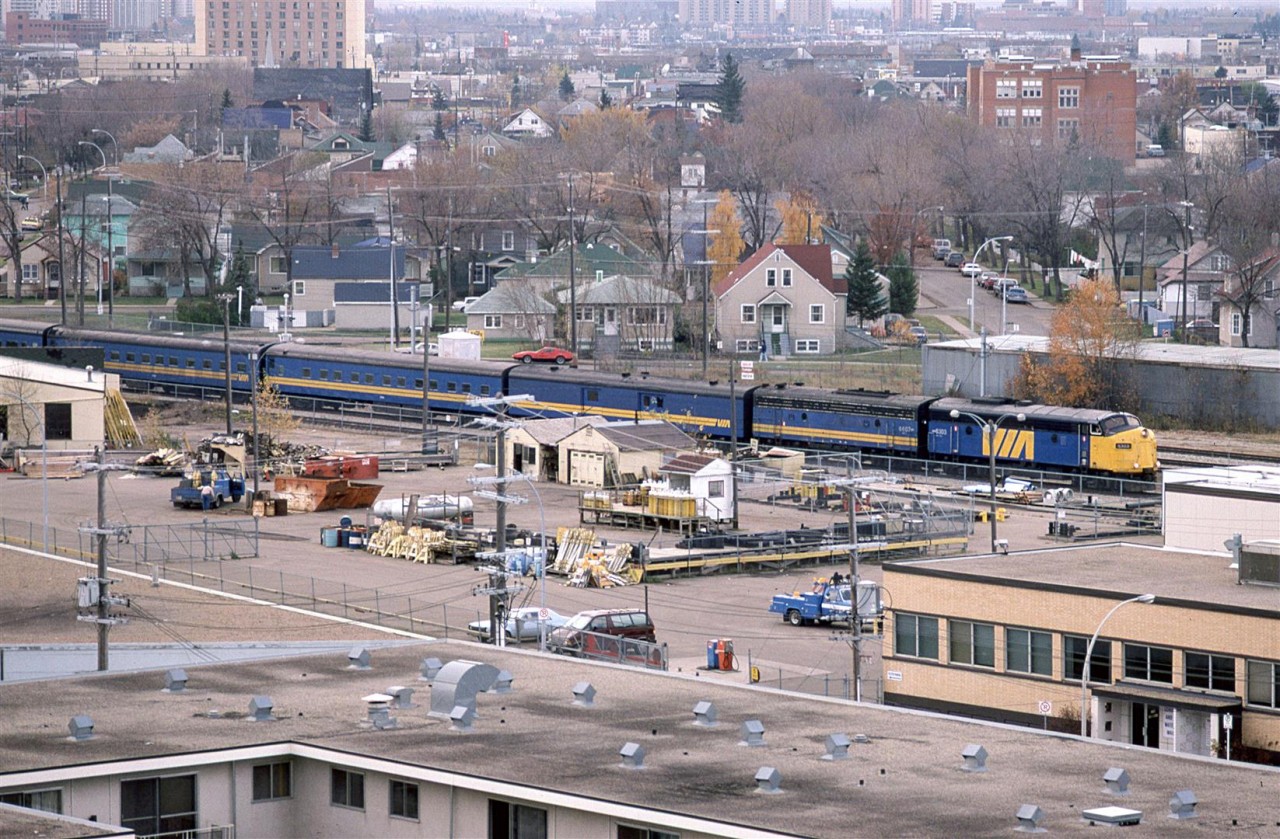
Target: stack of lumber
(121, 431)
(417, 544)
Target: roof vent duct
(752, 733)
(380, 710)
(81, 727)
(430, 667)
(462, 719)
(1117, 780)
(1183, 805)
(260, 709)
(837, 747)
(457, 683)
(1112, 815)
(704, 714)
(632, 755)
(975, 758)
(401, 697)
(175, 681)
(1029, 818)
(503, 683)
(358, 659)
(584, 694)
(768, 780)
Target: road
(945, 292)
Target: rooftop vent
(358, 659)
(632, 755)
(1183, 805)
(81, 727)
(752, 733)
(768, 780)
(1117, 781)
(457, 683)
(1029, 818)
(704, 714)
(1117, 816)
(380, 710)
(1260, 563)
(401, 697)
(503, 683)
(837, 747)
(975, 758)
(462, 718)
(260, 709)
(175, 681)
(430, 667)
(584, 694)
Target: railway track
(1193, 456)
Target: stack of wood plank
(122, 433)
(418, 544)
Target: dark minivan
(585, 631)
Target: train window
(386, 381)
(355, 377)
(222, 366)
(240, 368)
(306, 372)
(652, 401)
(434, 384)
(593, 395)
(877, 423)
(368, 378)
(484, 390)
(115, 356)
(452, 387)
(324, 375)
(1093, 429)
(173, 361)
(804, 417)
(1053, 438)
(417, 383)
(466, 387)
(129, 356)
(191, 363)
(146, 358)
(400, 381)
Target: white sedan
(971, 269)
(522, 624)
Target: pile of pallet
(163, 462)
(417, 544)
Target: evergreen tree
(729, 90)
(226, 99)
(864, 299)
(566, 87)
(439, 101)
(437, 133)
(238, 276)
(606, 101)
(366, 126)
(904, 290)
(515, 90)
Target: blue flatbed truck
(824, 604)
(226, 487)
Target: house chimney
(334, 252)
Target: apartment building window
(1031, 118)
(748, 313)
(272, 781)
(1264, 684)
(817, 313)
(1028, 651)
(808, 346)
(508, 240)
(346, 789)
(1151, 664)
(627, 831)
(915, 635)
(747, 345)
(786, 277)
(404, 800)
(1073, 649)
(1006, 117)
(1068, 129)
(493, 321)
(46, 800)
(1211, 672)
(1032, 88)
(1068, 97)
(1006, 88)
(771, 277)
(516, 821)
(158, 805)
(972, 643)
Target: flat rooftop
(905, 781)
(1179, 354)
(1183, 578)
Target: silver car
(522, 624)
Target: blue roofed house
(355, 283)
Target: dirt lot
(687, 611)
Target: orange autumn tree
(801, 220)
(1092, 340)
(725, 245)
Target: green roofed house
(592, 263)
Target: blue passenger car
(369, 376)
(701, 408)
(178, 365)
(1048, 438)
(841, 419)
(22, 333)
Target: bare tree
(12, 234)
(19, 395)
(1249, 220)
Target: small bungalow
(41, 271)
(631, 313)
(513, 311)
(532, 445)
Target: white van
(1155, 150)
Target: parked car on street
(1016, 294)
(416, 349)
(589, 632)
(987, 279)
(33, 223)
(550, 354)
(522, 624)
(971, 269)
(461, 305)
(955, 259)
(1000, 285)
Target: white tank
(429, 507)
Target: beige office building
(284, 33)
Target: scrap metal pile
(587, 564)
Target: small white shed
(707, 478)
(459, 343)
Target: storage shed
(532, 445)
(707, 478)
(619, 453)
(459, 343)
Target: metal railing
(213, 831)
(599, 646)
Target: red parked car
(555, 354)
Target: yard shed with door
(532, 446)
(707, 478)
(619, 453)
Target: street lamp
(115, 146)
(973, 278)
(1088, 656)
(110, 255)
(989, 429)
(44, 175)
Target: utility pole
(706, 292)
(111, 268)
(103, 583)
(733, 439)
(427, 446)
(855, 620)
(225, 300)
(62, 263)
(83, 213)
(391, 247)
(573, 281)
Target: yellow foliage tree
(1091, 339)
(275, 416)
(801, 220)
(725, 245)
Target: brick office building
(1089, 99)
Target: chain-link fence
(140, 547)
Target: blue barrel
(355, 539)
(329, 537)
(713, 659)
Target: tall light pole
(1088, 657)
(253, 383)
(114, 145)
(1186, 250)
(989, 429)
(44, 175)
(104, 166)
(706, 283)
(225, 300)
(973, 278)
